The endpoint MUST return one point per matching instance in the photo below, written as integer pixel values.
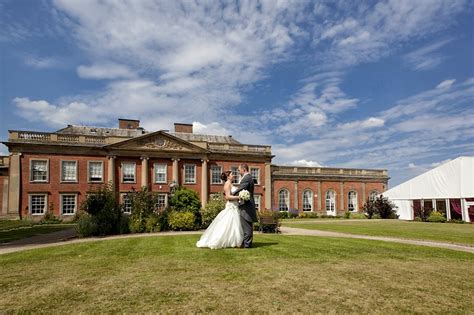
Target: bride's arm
(227, 195)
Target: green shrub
(381, 206)
(86, 225)
(436, 217)
(357, 215)
(347, 215)
(376, 216)
(186, 200)
(283, 214)
(181, 221)
(215, 205)
(101, 205)
(417, 219)
(124, 225)
(460, 221)
(152, 223)
(308, 215)
(143, 205)
(49, 217)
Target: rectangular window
(39, 170)
(216, 172)
(128, 172)
(161, 202)
(96, 171)
(255, 172)
(69, 171)
(189, 174)
(235, 172)
(126, 204)
(37, 204)
(257, 199)
(68, 204)
(160, 173)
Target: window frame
(32, 180)
(279, 199)
(166, 201)
(122, 202)
(259, 203)
(155, 177)
(311, 199)
(134, 173)
(333, 201)
(213, 167)
(258, 177)
(356, 205)
(194, 180)
(62, 172)
(89, 171)
(235, 172)
(374, 192)
(30, 208)
(61, 202)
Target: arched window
(283, 200)
(373, 195)
(331, 202)
(307, 200)
(352, 201)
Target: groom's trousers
(247, 227)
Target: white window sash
(63, 204)
(128, 172)
(69, 171)
(187, 173)
(45, 203)
(161, 172)
(39, 166)
(95, 171)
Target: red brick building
(54, 171)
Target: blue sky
(375, 84)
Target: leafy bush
(307, 215)
(181, 220)
(49, 217)
(124, 225)
(86, 225)
(436, 217)
(358, 216)
(293, 213)
(283, 214)
(417, 219)
(186, 200)
(381, 206)
(143, 205)
(215, 205)
(347, 215)
(376, 216)
(152, 223)
(101, 205)
(460, 221)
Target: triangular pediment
(157, 141)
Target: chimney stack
(128, 123)
(184, 128)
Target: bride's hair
(225, 174)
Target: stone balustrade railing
(329, 171)
(239, 147)
(47, 137)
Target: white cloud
(105, 71)
(213, 128)
(306, 163)
(446, 84)
(427, 57)
(371, 122)
(43, 63)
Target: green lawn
(11, 234)
(13, 224)
(281, 274)
(445, 232)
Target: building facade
(55, 171)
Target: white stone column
(14, 185)
(319, 196)
(448, 210)
(268, 186)
(175, 170)
(204, 183)
(342, 196)
(111, 172)
(144, 171)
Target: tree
(382, 207)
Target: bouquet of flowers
(244, 195)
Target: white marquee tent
(448, 187)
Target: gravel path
(67, 237)
(295, 231)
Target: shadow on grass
(262, 244)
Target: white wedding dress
(225, 230)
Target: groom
(248, 214)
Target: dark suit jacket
(247, 209)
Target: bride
(225, 230)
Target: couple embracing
(233, 226)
